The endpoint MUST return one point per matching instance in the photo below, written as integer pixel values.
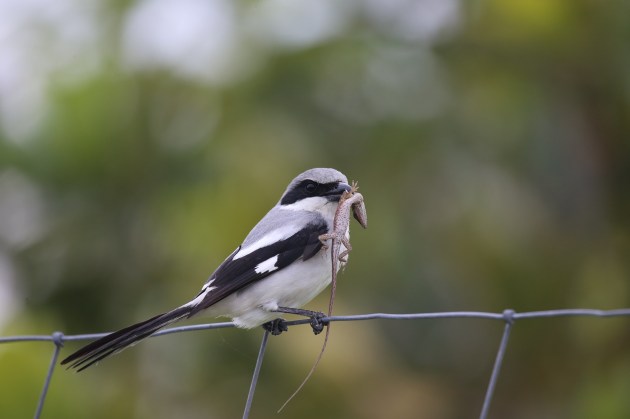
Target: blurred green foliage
(491, 142)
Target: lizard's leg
(342, 255)
(325, 237)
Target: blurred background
(141, 140)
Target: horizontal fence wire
(508, 317)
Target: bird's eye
(310, 188)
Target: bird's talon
(317, 324)
(276, 326)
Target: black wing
(230, 276)
(234, 274)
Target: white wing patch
(267, 266)
(271, 238)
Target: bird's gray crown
(319, 175)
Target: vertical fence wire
(57, 339)
(252, 386)
(508, 317)
(498, 362)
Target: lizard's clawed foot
(276, 326)
(323, 239)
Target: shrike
(280, 266)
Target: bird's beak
(335, 194)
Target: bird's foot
(276, 326)
(317, 324)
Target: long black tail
(117, 341)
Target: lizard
(350, 200)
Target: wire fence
(508, 317)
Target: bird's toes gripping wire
(317, 324)
(276, 326)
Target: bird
(280, 266)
